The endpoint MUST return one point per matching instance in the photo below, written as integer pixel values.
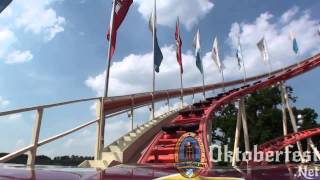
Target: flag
(196, 45)
(179, 46)
(239, 53)
(262, 46)
(157, 54)
(4, 4)
(121, 9)
(215, 54)
(295, 46)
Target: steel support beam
(100, 129)
(314, 148)
(284, 121)
(244, 124)
(237, 138)
(293, 120)
(35, 138)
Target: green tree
(264, 117)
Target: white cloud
(20, 144)
(4, 102)
(8, 37)
(134, 73)
(18, 57)
(83, 142)
(93, 109)
(55, 29)
(288, 15)
(85, 138)
(32, 16)
(168, 10)
(277, 36)
(37, 17)
(15, 117)
(140, 67)
(12, 56)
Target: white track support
(168, 102)
(314, 148)
(293, 121)
(152, 107)
(284, 122)
(236, 138)
(132, 113)
(192, 96)
(244, 123)
(131, 118)
(35, 138)
(100, 129)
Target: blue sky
(54, 50)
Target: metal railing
(112, 106)
(35, 143)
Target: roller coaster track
(161, 148)
(281, 142)
(158, 136)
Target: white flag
(239, 53)
(215, 54)
(262, 46)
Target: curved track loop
(161, 148)
(119, 103)
(281, 142)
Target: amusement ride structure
(152, 144)
(150, 150)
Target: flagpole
(178, 51)
(109, 49)
(181, 88)
(222, 76)
(203, 84)
(204, 92)
(243, 64)
(269, 62)
(244, 71)
(270, 69)
(101, 129)
(153, 41)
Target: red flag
(179, 45)
(120, 11)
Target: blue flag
(196, 45)
(199, 62)
(295, 46)
(157, 54)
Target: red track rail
(119, 103)
(161, 148)
(281, 142)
